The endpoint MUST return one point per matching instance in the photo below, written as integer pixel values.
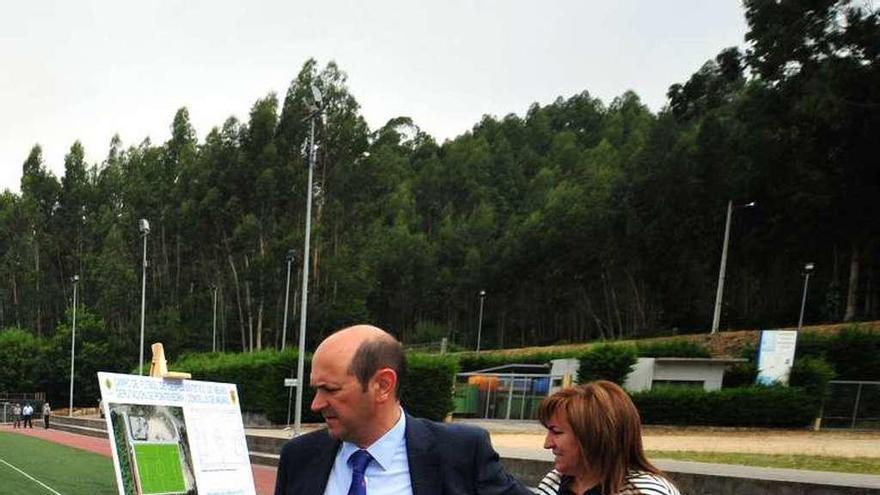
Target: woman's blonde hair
(607, 426)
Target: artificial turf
(63, 469)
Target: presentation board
(175, 436)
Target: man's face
(347, 409)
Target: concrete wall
(639, 379)
(694, 478)
(648, 370)
(710, 374)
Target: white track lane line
(47, 487)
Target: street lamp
(214, 321)
(144, 228)
(808, 269)
(716, 318)
(291, 253)
(480, 323)
(75, 279)
(314, 113)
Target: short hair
(607, 426)
(375, 354)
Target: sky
(86, 70)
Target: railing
(852, 404)
(502, 395)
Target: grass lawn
(63, 469)
(860, 465)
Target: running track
(264, 476)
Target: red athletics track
(264, 476)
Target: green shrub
(471, 361)
(748, 406)
(812, 374)
(673, 348)
(853, 353)
(426, 390)
(740, 375)
(607, 362)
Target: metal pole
(511, 384)
(72, 349)
(856, 407)
(300, 365)
(803, 300)
(480, 324)
(716, 318)
(143, 303)
(214, 325)
(286, 301)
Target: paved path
(264, 476)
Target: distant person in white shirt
(27, 414)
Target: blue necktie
(359, 461)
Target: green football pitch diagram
(159, 468)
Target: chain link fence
(852, 404)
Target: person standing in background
(27, 414)
(16, 415)
(46, 412)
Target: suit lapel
(319, 468)
(424, 464)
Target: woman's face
(562, 441)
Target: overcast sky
(90, 69)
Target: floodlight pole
(290, 255)
(214, 322)
(72, 346)
(145, 231)
(480, 323)
(716, 317)
(808, 269)
(301, 351)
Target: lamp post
(315, 113)
(716, 317)
(144, 228)
(214, 320)
(480, 322)
(75, 279)
(291, 253)
(808, 269)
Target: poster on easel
(173, 436)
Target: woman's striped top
(637, 483)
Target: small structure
(705, 373)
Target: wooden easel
(159, 366)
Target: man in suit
(371, 446)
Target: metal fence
(501, 395)
(7, 400)
(852, 404)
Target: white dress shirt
(386, 474)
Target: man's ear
(385, 381)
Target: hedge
(854, 353)
(676, 347)
(748, 406)
(672, 348)
(607, 362)
(426, 390)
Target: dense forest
(580, 219)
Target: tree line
(580, 219)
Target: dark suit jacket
(444, 459)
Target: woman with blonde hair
(595, 434)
